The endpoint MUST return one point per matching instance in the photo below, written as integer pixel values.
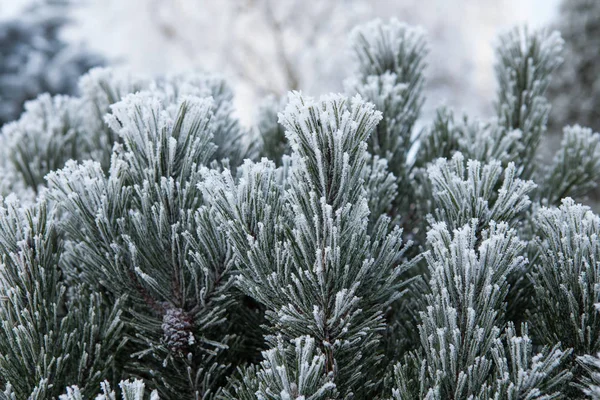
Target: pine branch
(565, 278)
(43, 139)
(480, 191)
(590, 384)
(390, 65)
(51, 336)
(273, 142)
(130, 390)
(289, 371)
(305, 253)
(462, 354)
(576, 167)
(141, 231)
(525, 62)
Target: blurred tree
(575, 91)
(270, 47)
(34, 59)
(575, 94)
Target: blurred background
(272, 46)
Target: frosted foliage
(141, 230)
(357, 260)
(390, 47)
(289, 242)
(441, 139)
(566, 280)
(463, 269)
(130, 390)
(463, 191)
(330, 139)
(290, 371)
(43, 139)
(101, 87)
(575, 169)
(273, 142)
(525, 374)
(475, 139)
(163, 140)
(53, 130)
(380, 185)
(389, 63)
(48, 339)
(462, 352)
(525, 62)
(591, 383)
(228, 135)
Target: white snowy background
(271, 46)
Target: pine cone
(177, 330)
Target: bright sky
(9, 8)
(485, 23)
(542, 11)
